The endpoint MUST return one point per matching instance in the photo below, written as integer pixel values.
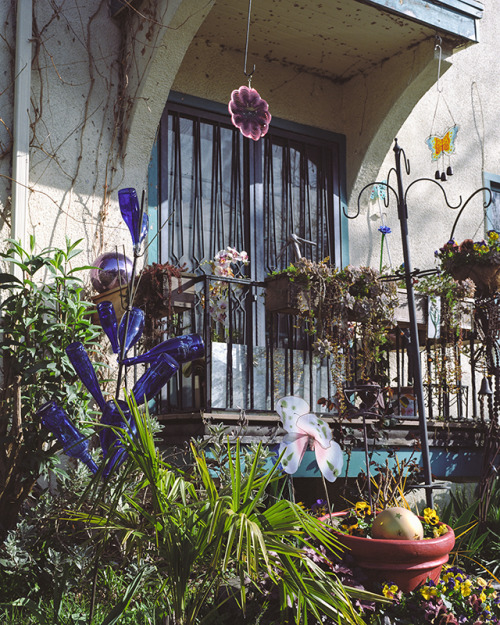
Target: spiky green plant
(205, 539)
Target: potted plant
(162, 289)
(477, 260)
(394, 545)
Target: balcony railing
(253, 357)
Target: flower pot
(485, 276)
(284, 295)
(182, 297)
(402, 312)
(406, 563)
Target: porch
(258, 355)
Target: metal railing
(253, 357)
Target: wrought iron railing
(253, 357)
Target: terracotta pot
(182, 297)
(406, 563)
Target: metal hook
(438, 47)
(249, 76)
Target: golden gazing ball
(397, 524)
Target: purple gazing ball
(110, 270)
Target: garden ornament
(303, 430)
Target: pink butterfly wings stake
(303, 430)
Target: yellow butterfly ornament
(441, 146)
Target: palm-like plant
(201, 536)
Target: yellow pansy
(466, 588)
(430, 516)
(362, 509)
(439, 530)
(429, 591)
(390, 591)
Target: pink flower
(249, 112)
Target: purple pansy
(249, 112)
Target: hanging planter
(406, 563)
(485, 276)
(285, 295)
(477, 260)
(465, 310)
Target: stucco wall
(470, 90)
(99, 86)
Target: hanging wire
(439, 86)
(248, 75)
(439, 41)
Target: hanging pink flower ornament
(249, 112)
(303, 430)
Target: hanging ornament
(249, 112)
(442, 145)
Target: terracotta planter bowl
(406, 563)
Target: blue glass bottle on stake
(117, 415)
(55, 419)
(131, 328)
(131, 213)
(85, 370)
(181, 348)
(153, 380)
(109, 323)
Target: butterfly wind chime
(249, 112)
(164, 361)
(442, 145)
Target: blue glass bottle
(153, 380)
(131, 328)
(109, 323)
(182, 349)
(118, 416)
(131, 213)
(55, 419)
(85, 370)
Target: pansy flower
(249, 112)
(303, 430)
(431, 517)
(363, 509)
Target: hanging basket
(486, 277)
(286, 296)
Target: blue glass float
(85, 370)
(153, 380)
(181, 348)
(110, 271)
(131, 213)
(55, 419)
(109, 323)
(131, 328)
